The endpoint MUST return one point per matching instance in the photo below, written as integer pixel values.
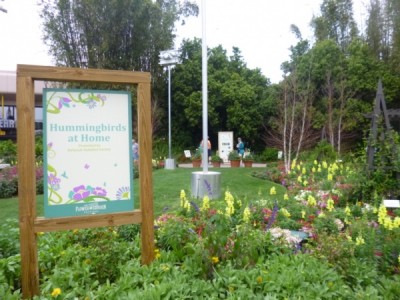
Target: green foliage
(234, 155)
(9, 238)
(8, 182)
(238, 96)
(248, 156)
(8, 151)
(323, 151)
(216, 158)
(269, 154)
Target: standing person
(135, 150)
(240, 147)
(209, 149)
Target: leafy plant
(234, 155)
(216, 158)
(197, 155)
(248, 157)
(8, 151)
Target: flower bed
(315, 242)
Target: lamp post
(205, 183)
(169, 59)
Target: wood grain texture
(27, 185)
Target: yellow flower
(324, 165)
(396, 222)
(272, 191)
(285, 212)
(347, 210)
(315, 162)
(246, 214)
(293, 164)
(56, 292)
(215, 259)
(382, 214)
(299, 179)
(305, 182)
(330, 177)
(286, 197)
(360, 240)
(259, 279)
(303, 214)
(311, 201)
(314, 169)
(329, 204)
(206, 203)
(182, 197)
(157, 253)
(303, 171)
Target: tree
(116, 34)
(335, 23)
(236, 95)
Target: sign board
(87, 152)
(187, 153)
(391, 203)
(225, 144)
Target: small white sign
(225, 144)
(391, 203)
(187, 153)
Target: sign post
(30, 224)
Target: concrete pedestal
(206, 184)
(170, 164)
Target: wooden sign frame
(29, 223)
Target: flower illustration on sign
(54, 181)
(64, 102)
(55, 103)
(87, 194)
(123, 193)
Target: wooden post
(145, 171)
(30, 224)
(27, 185)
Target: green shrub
(8, 151)
(9, 238)
(269, 154)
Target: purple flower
(208, 186)
(64, 101)
(54, 182)
(79, 193)
(273, 215)
(99, 191)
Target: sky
(259, 28)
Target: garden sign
(88, 157)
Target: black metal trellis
(379, 110)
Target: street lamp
(169, 59)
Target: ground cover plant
(312, 240)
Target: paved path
(224, 165)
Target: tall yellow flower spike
(246, 215)
(272, 191)
(206, 203)
(330, 204)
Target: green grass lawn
(167, 185)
